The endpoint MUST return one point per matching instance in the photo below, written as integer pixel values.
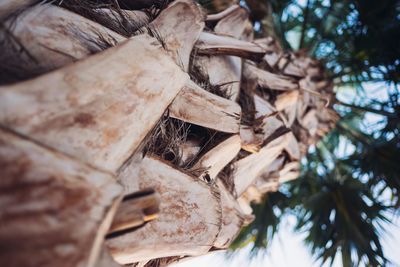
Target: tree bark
(144, 114)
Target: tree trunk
(135, 136)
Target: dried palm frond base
(138, 132)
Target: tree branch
(368, 109)
(304, 26)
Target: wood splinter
(213, 44)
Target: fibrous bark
(132, 122)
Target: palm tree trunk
(160, 134)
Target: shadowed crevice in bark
(226, 176)
(201, 78)
(169, 136)
(114, 14)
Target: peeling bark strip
(179, 26)
(286, 100)
(218, 157)
(252, 166)
(195, 105)
(223, 13)
(189, 219)
(90, 113)
(237, 25)
(213, 44)
(63, 39)
(289, 172)
(269, 80)
(54, 210)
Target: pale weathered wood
(233, 219)
(286, 100)
(313, 71)
(195, 105)
(224, 71)
(135, 209)
(276, 165)
(270, 45)
(222, 14)
(262, 106)
(54, 210)
(326, 115)
(290, 115)
(189, 219)
(63, 39)
(302, 105)
(271, 59)
(136, 18)
(236, 24)
(55, 37)
(324, 129)
(276, 174)
(292, 147)
(95, 125)
(269, 180)
(267, 113)
(253, 194)
(218, 157)
(8, 7)
(270, 183)
(179, 26)
(288, 65)
(270, 80)
(249, 140)
(69, 37)
(227, 69)
(289, 172)
(273, 51)
(252, 166)
(315, 90)
(213, 44)
(270, 125)
(310, 122)
(244, 205)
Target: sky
(287, 250)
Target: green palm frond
(339, 213)
(262, 230)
